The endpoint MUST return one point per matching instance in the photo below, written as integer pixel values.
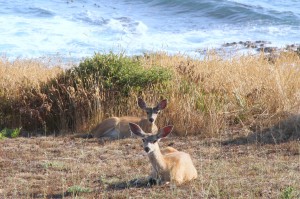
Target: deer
(168, 166)
(118, 127)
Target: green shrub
(288, 193)
(9, 133)
(118, 73)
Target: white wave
(278, 5)
(81, 28)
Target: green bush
(118, 73)
(9, 133)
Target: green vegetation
(76, 190)
(288, 193)
(118, 72)
(56, 165)
(9, 133)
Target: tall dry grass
(207, 97)
(21, 73)
(17, 78)
(251, 91)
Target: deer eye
(154, 141)
(143, 140)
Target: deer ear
(142, 104)
(136, 129)
(165, 131)
(162, 104)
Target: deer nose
(151, 120)
(147, 149)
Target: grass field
(239, 118)
(61, 167)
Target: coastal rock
(261, 46)
(267, 49)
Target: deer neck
(148, 126)
(157, 160)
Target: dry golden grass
(48, 167)
(18, 80)
(214, 93)
(20, 74)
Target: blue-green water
(78, 28)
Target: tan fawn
(117, 127)
(171, 165)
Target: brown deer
(118, 128)
(171, 165)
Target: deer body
(175, 166)
(171, 165)
(117, 127)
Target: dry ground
(62, 167)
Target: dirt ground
(64, 167)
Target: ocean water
(79, 28)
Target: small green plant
(57, 165)
(9, 133)
(76, 189)
(287, 193)
(1, 136)
(15, 133)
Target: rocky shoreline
(261, 46)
